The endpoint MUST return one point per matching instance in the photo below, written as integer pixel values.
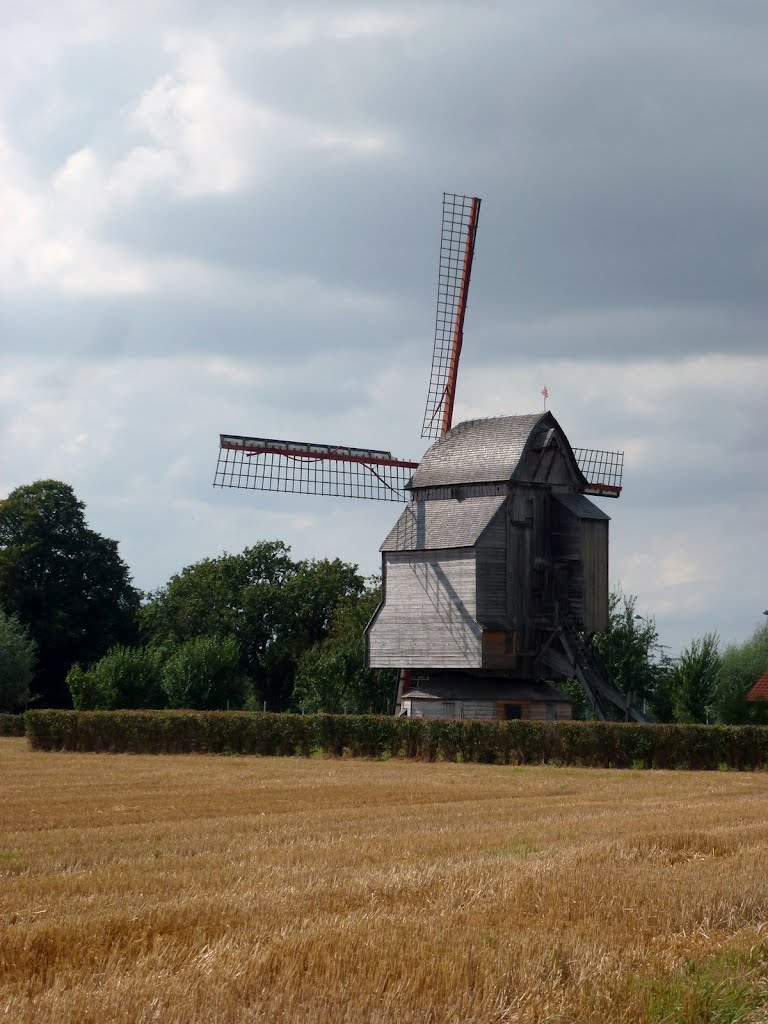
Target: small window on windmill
(542, 439)
(522, 511)
(499, 647)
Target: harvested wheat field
(193, 888)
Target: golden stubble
(193, 888)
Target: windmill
(496, 573)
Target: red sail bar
(458, 334)
(300, 450)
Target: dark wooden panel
(492, 586)
(594, 547)
(499, 649)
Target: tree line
(708, 683)
(261, 629)
(256, 629)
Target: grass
(195, 889)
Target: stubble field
(193, 889)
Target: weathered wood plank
(428, 618)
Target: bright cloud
(201, 126)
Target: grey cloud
(619, 174)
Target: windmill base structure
(495, 576)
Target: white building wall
(428, 616)
(420, 708)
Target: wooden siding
(453, 709)
(492, 586)
(548, 460)
(580, 552)
(428, 615)
(536, 710)
(458, 491)
(432, 708)
(487, 710)
(594, 556)
(566, 558)
(482, 709)
(491, 563)
(499, 648)
(520, 555)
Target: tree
(204, 673)
(313, 594)
(631, 651)
(126, 677)
(662, 699)
(64, 581)
(692, 680)
(332, 676)
(741, 665)
(17, 660)
(276, 609)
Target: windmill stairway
(570, 654)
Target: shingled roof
(485, 451)
(760, 690)
(460, 686)
(579, 505)
(447, 523)
(477, 451)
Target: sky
(225, 218)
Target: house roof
(760, 690)
(477, 451)
(579, 505)
(444, 523)
(466, 687)
(490, 451)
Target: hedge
(11, 725)
(587, 744)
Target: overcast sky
(225, 217)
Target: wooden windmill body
(496, 573)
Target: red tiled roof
(760, 690)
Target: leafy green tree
(64, 581)
(17, 661)
(332, 676)
(661, 701)
(126, 677)
(630, 649)
(204, 673)
(581, 709)
(692, 680)
(741, 665)
(276, 609)
(90, 691)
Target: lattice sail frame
(603, 471)
(266, 464)
(457, 248)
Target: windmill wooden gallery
(495, 575)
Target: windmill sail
(266, 464)
(603, 471)
(457, 248)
